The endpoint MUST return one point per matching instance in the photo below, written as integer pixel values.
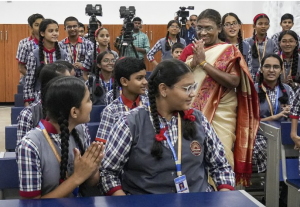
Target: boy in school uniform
(28, 44)
(130, 77)
(286, 23)
(76, 46)
(177, 49)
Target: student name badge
(181, 184)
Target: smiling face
(72, 28)
(288, 43)
(107, 63)
(136, 84)
(271, 70)
(208, 31)
(231, 27)
(51, 33)
(174, 29)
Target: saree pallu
(234, 114)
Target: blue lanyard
(177, 161)
(276, 101)
(105, 84)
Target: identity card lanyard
(126, 108)
(180, 181)
(105, 84)
(285, 68)
(258, 51)
(72, 56)
(269, 102)
(42, 127)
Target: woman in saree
(226, 93)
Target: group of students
(193, 121)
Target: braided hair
(62, 95)
(240, 38)
(253, 48)
(99, 89)
(43, 26)
(294, 67)
(168, 72)
(261, 93)
(167, 44)
(49, 72)
(214, 16)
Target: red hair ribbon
(283, 90)
(259, 15)
(42, 62)
(160, 137)
(96, 32)
(259, 86)
(188, 115)
(61, 181)
(97, 84)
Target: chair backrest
(148, 73)
(10, 138)
(9, 177)
(95, 113)
(93, 127)
(15, 111)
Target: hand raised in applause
(199, 53)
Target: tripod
(125, 40)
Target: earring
(164, 95)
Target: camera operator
(140, 42)
(191, 29)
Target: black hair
(69, 19)
(193, 15)
(294, 67)
(47, 73)
(62, 95)
(168, 72)
(240, 38)
(214, 16)
(167, 45)
(125, 67)
(98, 21)
(177, 45)
(261, 93)
(137, 19)
(69, 65)
(287, 16)
(43, 26)
(253, 48)
(32, 18)
(81, 25)
(99, 89)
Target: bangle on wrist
(201, 64)
(204, 65)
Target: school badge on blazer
(195, 148)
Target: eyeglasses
(173, 26)
(108, 60)
(228, 25)
(287, 41)
(206, 29)
(189, 89)
(275, 67)
(72, 26)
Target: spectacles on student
(206, 29)
(72, 26)
(189, 89)
(275, 67)
(174, 26)
(228, 25)
(108, 60)
(287, 41)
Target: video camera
(184, 14)
(127, 14)
(93, 11)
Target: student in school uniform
(130, 80)
(288, 51)
(76, 46)
(47, 52)
(102, 37)
(232, 31)
(164, 44)
(101, 81)
(260, 44)
(32, 114)
(286, 23)
(275, 99)
(81, 29)
(145, 144)
(177, 49)
(53, 160)
(23, 49)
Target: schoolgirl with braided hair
(288, 51)
(275, 99)
(102, 79)
(260, 44)
(47, 52)
(165, 44)
(53, 153)
(144, 143)
(232, 31)
(129, 92)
